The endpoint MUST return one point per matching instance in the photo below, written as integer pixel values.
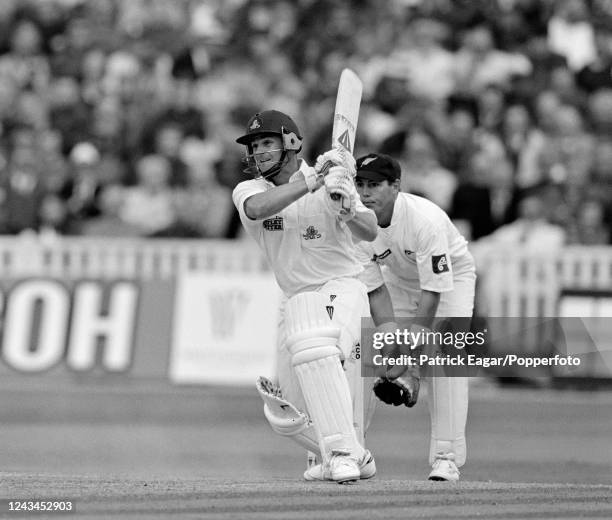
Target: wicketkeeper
(421, 262)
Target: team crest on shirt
(273, 224)
(439, 264)
(407, 252)
(311, 233)
(379, 258)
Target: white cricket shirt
(305, 244)
(420, 249)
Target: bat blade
(346, 114)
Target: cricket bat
(346, 114)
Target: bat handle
(324, 171)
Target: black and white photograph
(289, 259)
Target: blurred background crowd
(118, 118)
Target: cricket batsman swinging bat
(346, 114)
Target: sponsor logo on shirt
(273, 224)
(379, 258)
(311, 233)
(439, 264)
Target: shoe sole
(361, 477)
(347, 482)
(437, 478)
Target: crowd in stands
(118, 118)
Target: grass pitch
(155, 451)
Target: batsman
(308, 239)
(418, 267)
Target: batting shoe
(444, 469)
(366, 467)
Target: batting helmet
(273, 122)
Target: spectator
(91, 73)
(456, 135)
(109, 222)
(422, 173)
(571, 34)
(423, 62)
(484, 201)
(518, 132)
(53, 216)
(598, 73)
(530, 230)
(57, 169)
(8, 97)
(107, 127)
(25, 62)
(22, 192)
(478, 63)
(149, 205)
(562, 151)
(31, 110)
(601, 173)
(82, 189)
(490, 107)
(182, 110)
(204, 207)
(600, 111)
(68, 113)
(563, 83)
(168, 139)
(543, 61)
(589, 227)
(567, 153)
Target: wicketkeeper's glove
(401, 390)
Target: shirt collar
(302, 169)
(397, 211)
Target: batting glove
(336, 157)
(313, 179)
(340, 183)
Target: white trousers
(447, 397)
